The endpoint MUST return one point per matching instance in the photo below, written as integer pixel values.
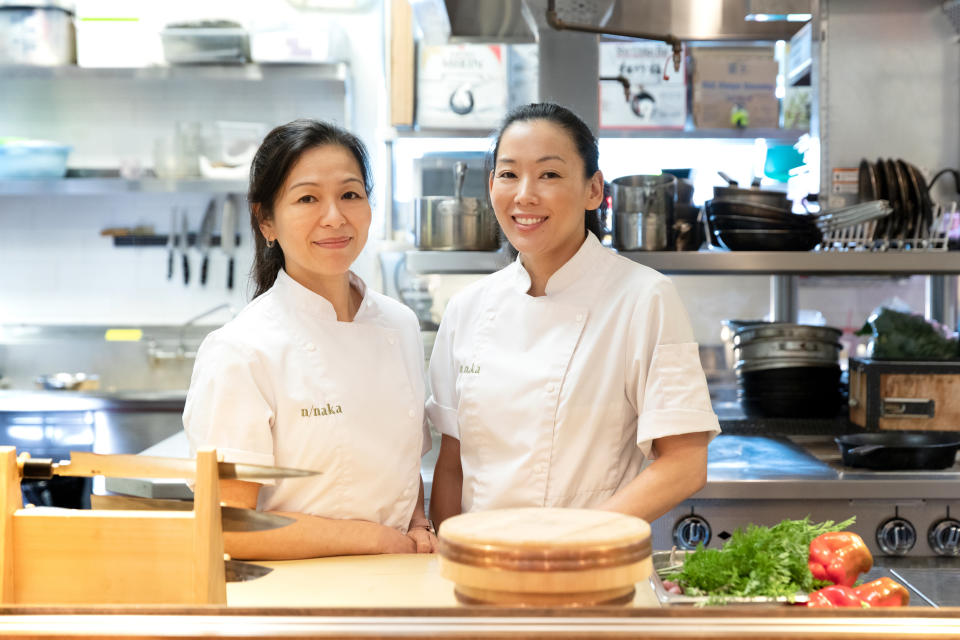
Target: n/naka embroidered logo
(321, 411)
(471, 368)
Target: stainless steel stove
(909, 519)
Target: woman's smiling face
(321, 215)
(539, 191)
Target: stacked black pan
(758, 220)
(787, 370)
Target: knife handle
(169, 265)
(186, 269)
(230, 274)
(203, 270)
(35, 468)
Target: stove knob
(944, 537)
(690, 531)
(896, 537)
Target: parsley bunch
(758, 561)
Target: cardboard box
(462, 86)
(657, 93)
(735, 85)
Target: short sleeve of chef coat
(672, 394)
(442, 403)
(228, 404)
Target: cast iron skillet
(899, 449)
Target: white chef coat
(556, 400)
(286, 384)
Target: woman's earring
(271, 243)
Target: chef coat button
(491, 316)
(412, 413)
(538, 469)
(310, 346)
(392, 340)
(579, 317)
(551, 387)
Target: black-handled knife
(205, 238)
(171, 243)
(185, 242)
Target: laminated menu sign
(657, 95)
(462, 86)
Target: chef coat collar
(566, 275)
(313, 304)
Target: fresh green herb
(758, 561)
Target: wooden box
(898, 395)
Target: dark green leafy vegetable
(903, 336)
(759, 561)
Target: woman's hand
(425, 539)
(392, 541)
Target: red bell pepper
(839, 557)
(836, 595)
(883, 592)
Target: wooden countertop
(389, 581)
(404, 596)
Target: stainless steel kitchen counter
(27, 401)
(767, 467)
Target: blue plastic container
(33, 159)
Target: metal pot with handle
(643, 212)
(455, 224)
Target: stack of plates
(904, 187)
(743, 226)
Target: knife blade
(184, 244)
(85, 464)
(228, 231)
(204, 237)
(240, 571)
(233, 518)
(171, 243)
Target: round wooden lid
(545, 539)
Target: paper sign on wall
(462, 86)
(657, 93)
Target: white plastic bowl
(33, 159)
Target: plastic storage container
(33, 159)
(37, 32)
(199, 45)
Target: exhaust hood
(443, 21)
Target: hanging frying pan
(893, 450)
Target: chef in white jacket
(318, 372)
(556, 378)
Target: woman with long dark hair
(318, 372)
(555, 379)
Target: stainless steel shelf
(798, 262)
(337, 71)
(790, 135)
(456, 262)
(109, 186)
(721, 263)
